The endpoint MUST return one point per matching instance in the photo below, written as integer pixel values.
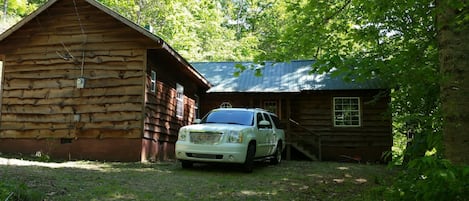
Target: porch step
(304, 151)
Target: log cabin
(325, 117)
(79, 81)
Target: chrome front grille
(205, 137)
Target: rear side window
(276, 121)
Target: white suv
(232, 135)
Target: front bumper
(223, 153)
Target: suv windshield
(229, 117)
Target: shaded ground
(291, 180)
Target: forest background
(419, 48)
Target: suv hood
(215, 127)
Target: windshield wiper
(236, 123)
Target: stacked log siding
(368, 141)
(114, 115)
(43, 61)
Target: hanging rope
(84, 39)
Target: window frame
(267, 118)
(179, 100)
(196, 107)
(153, 81)
(2, 69)
(226, 105)
(269, 104)
(351, 121)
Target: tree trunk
(453, 41)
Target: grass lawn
(290, 180)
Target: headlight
(182, 136)
(235, 137)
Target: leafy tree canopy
(395, 41)
(392, 40)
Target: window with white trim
(1, 73)
(1, 80)
(153, 81)
(226, 105)
(196, 107)
(179, 101)
(347, 112)
(271, 106)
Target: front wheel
(187, 164)
(277, 157)
(249, 163)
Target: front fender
(249, 137)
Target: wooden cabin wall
(43, 60)
(314, 110)
(161, 125)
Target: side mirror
(264, 124)
(197, 121)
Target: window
(179, 101)
(271, 106)
(226, 105)
(1, 73)
(259, 118)
(196, 107)
(1, 79)
(276, 121)
(346, 111)
(266, 117)
(153, 81)
(230, 117)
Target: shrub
(430, 178)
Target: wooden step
(304, 151)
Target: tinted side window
(276, 121)
(266, 117)
(259, 118)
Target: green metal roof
(279, 77)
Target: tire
(248, 165)
(277, 157)
(187, 164)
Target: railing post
(319, 149)
(317, 136)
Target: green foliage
(429, 178)
(20, 8)
(15, 10)
(394, 41)
(43, 157)
(198, 30)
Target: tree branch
(326, 20)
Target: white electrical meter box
(76, 117)
(80, 82)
